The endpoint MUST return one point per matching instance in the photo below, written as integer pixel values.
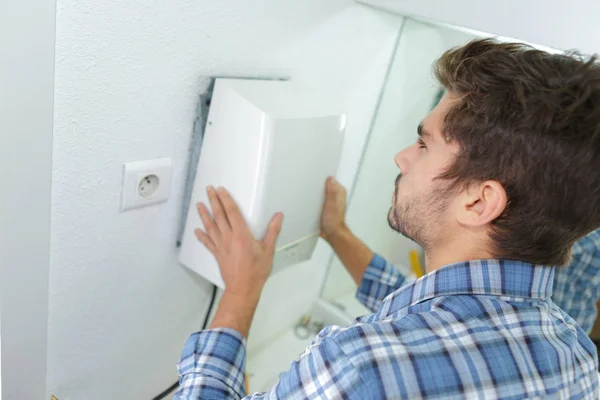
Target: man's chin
(394, 221)
(396, 224)
(390, 218)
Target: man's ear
(481, 203)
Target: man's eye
(422, 144)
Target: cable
(210, 307)
(174, 386)
(167, 391)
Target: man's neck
(440, 257)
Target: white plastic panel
(294, 253)
(270, 163)
(302, 153)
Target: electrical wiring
(174, 386)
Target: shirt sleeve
(212, 367)
(380, 279)
(577, 286)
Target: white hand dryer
(272, 144)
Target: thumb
(330, 185)
(273, 231)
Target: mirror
(410, 93)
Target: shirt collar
(477, 277)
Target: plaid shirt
(478, 329)
(577, 287)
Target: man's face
(420, 202)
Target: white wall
(26, 108)
(558, 24)
(127, 77)
(408, 96)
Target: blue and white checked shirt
(577, 287)
(478, 329)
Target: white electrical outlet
(145, 183)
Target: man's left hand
(245, 262)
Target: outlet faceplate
(145, 183)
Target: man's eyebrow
(421, 131)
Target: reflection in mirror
(410, 93)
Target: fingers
(209, 224)
(333, 186)
(232, 211)
(217, 211)
(226, 217)
(273, 231)
(329, 184)
(335, 195)
(205, 239)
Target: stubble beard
(415, 218)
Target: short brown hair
(531, 121)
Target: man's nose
(402, 160)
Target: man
(576, 287)
(499, 186)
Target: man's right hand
(352, 252)
(333, 220)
